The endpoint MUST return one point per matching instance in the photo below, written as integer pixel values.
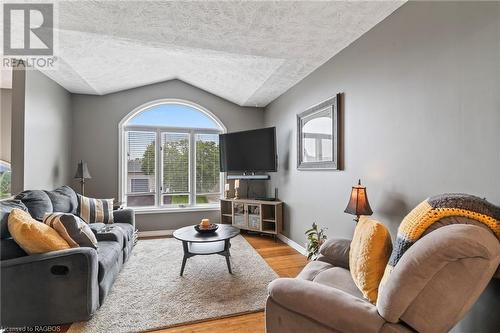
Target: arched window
(170, 156)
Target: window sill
(162, 210)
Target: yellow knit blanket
(434, 209)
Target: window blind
(141, 168)
(207, 163)
(175, 151)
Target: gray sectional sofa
(60, 286)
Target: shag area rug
(149, 294)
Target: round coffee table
(195, 243)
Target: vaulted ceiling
(246, 52)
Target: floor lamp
(82, 173)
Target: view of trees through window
(5, 179)
(175, 150)
(188, 160)
(207, 166)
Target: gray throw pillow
(37, 202)
(72, 228)
(63, 200)
(5, 207)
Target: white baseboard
(291, 243)
(156, 233)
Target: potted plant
(315, 238)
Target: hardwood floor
(283, 259)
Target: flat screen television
(248, 151)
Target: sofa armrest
(50, 257)
(126, 215)
(50, 288)
(335, 251)
(326, 305)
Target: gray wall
(5, 123)
(17, 143)
(95, 137)
(422, 117)
(47, 133)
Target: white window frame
(122, 165)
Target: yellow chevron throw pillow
(371, 248)
(33, 236)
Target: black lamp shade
(358, 203)
(82, 172)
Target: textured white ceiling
(246, 52)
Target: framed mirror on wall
(318, 136)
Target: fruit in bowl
(205, 227)
(205, 224)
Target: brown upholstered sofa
(431, 288)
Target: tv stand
(254, 215)
(265, 199)
(249, 176)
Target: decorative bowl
(211, 228)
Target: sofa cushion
(96, 227)
(95, 210)
(340, 278)
(370, 250)
(37, 202)
(108, 253)
(127, 229)
(72, 228)
(127, 249)
(312, 269)
(64, 200)
(331, 307)
(118, 232)
(336, 252)
(5, 207)
(109, 278)
(112, 235)
(33, 236)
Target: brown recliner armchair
(431, 288)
